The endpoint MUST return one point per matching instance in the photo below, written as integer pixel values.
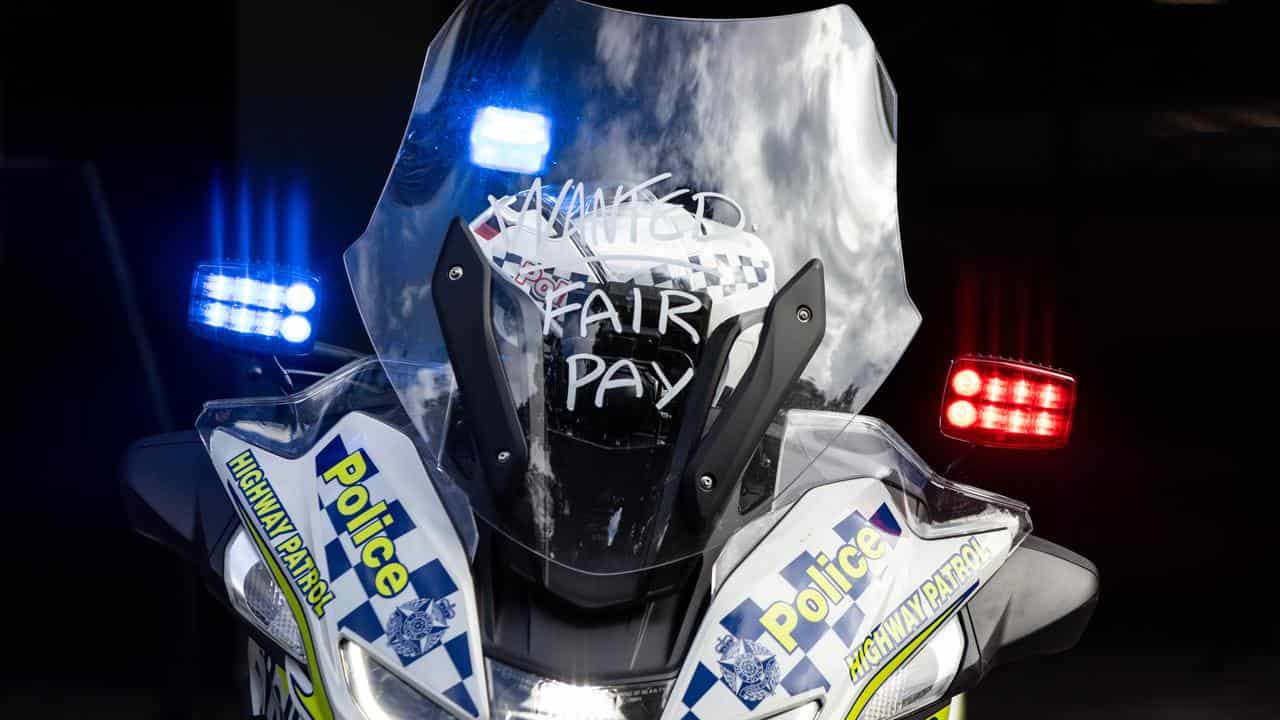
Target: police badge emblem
(748, 668)
(416, 627)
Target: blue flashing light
(300, 297)
(295, 329)
(511, 140)
(260, 308)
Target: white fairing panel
(819, 602)
(825, 604)
(370, 557)
(271, 686)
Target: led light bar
(511, 140)
(1001, 403)
(258, 308)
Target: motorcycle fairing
(816, 610)
(874, 504)
(271, 687)
(365, 553)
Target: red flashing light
(1000, 403)
(1021, 392)
(966, 383)
(962, 414)
(1049, 396)
(996, 388)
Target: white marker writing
(666, 312)
(609, 383)
(575, 382)
(550, 312)
(609, 313)
(670, 391)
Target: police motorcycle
(628, 285)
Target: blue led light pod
(255, 307)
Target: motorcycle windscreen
(641, 188)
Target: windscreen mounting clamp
(794, 325)
(461, 287)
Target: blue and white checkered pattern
(719, 275)
(537, 281)
(819, 645)
(361, 610)
(512, 264)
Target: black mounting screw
(706, 483)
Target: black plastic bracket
(461, 287)
(794, 325)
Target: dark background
(1091, 186)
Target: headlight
(379, 693)
(255, 594)
(518, 695)
(922, 679)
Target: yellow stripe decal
(317, 703)
(903, 655)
